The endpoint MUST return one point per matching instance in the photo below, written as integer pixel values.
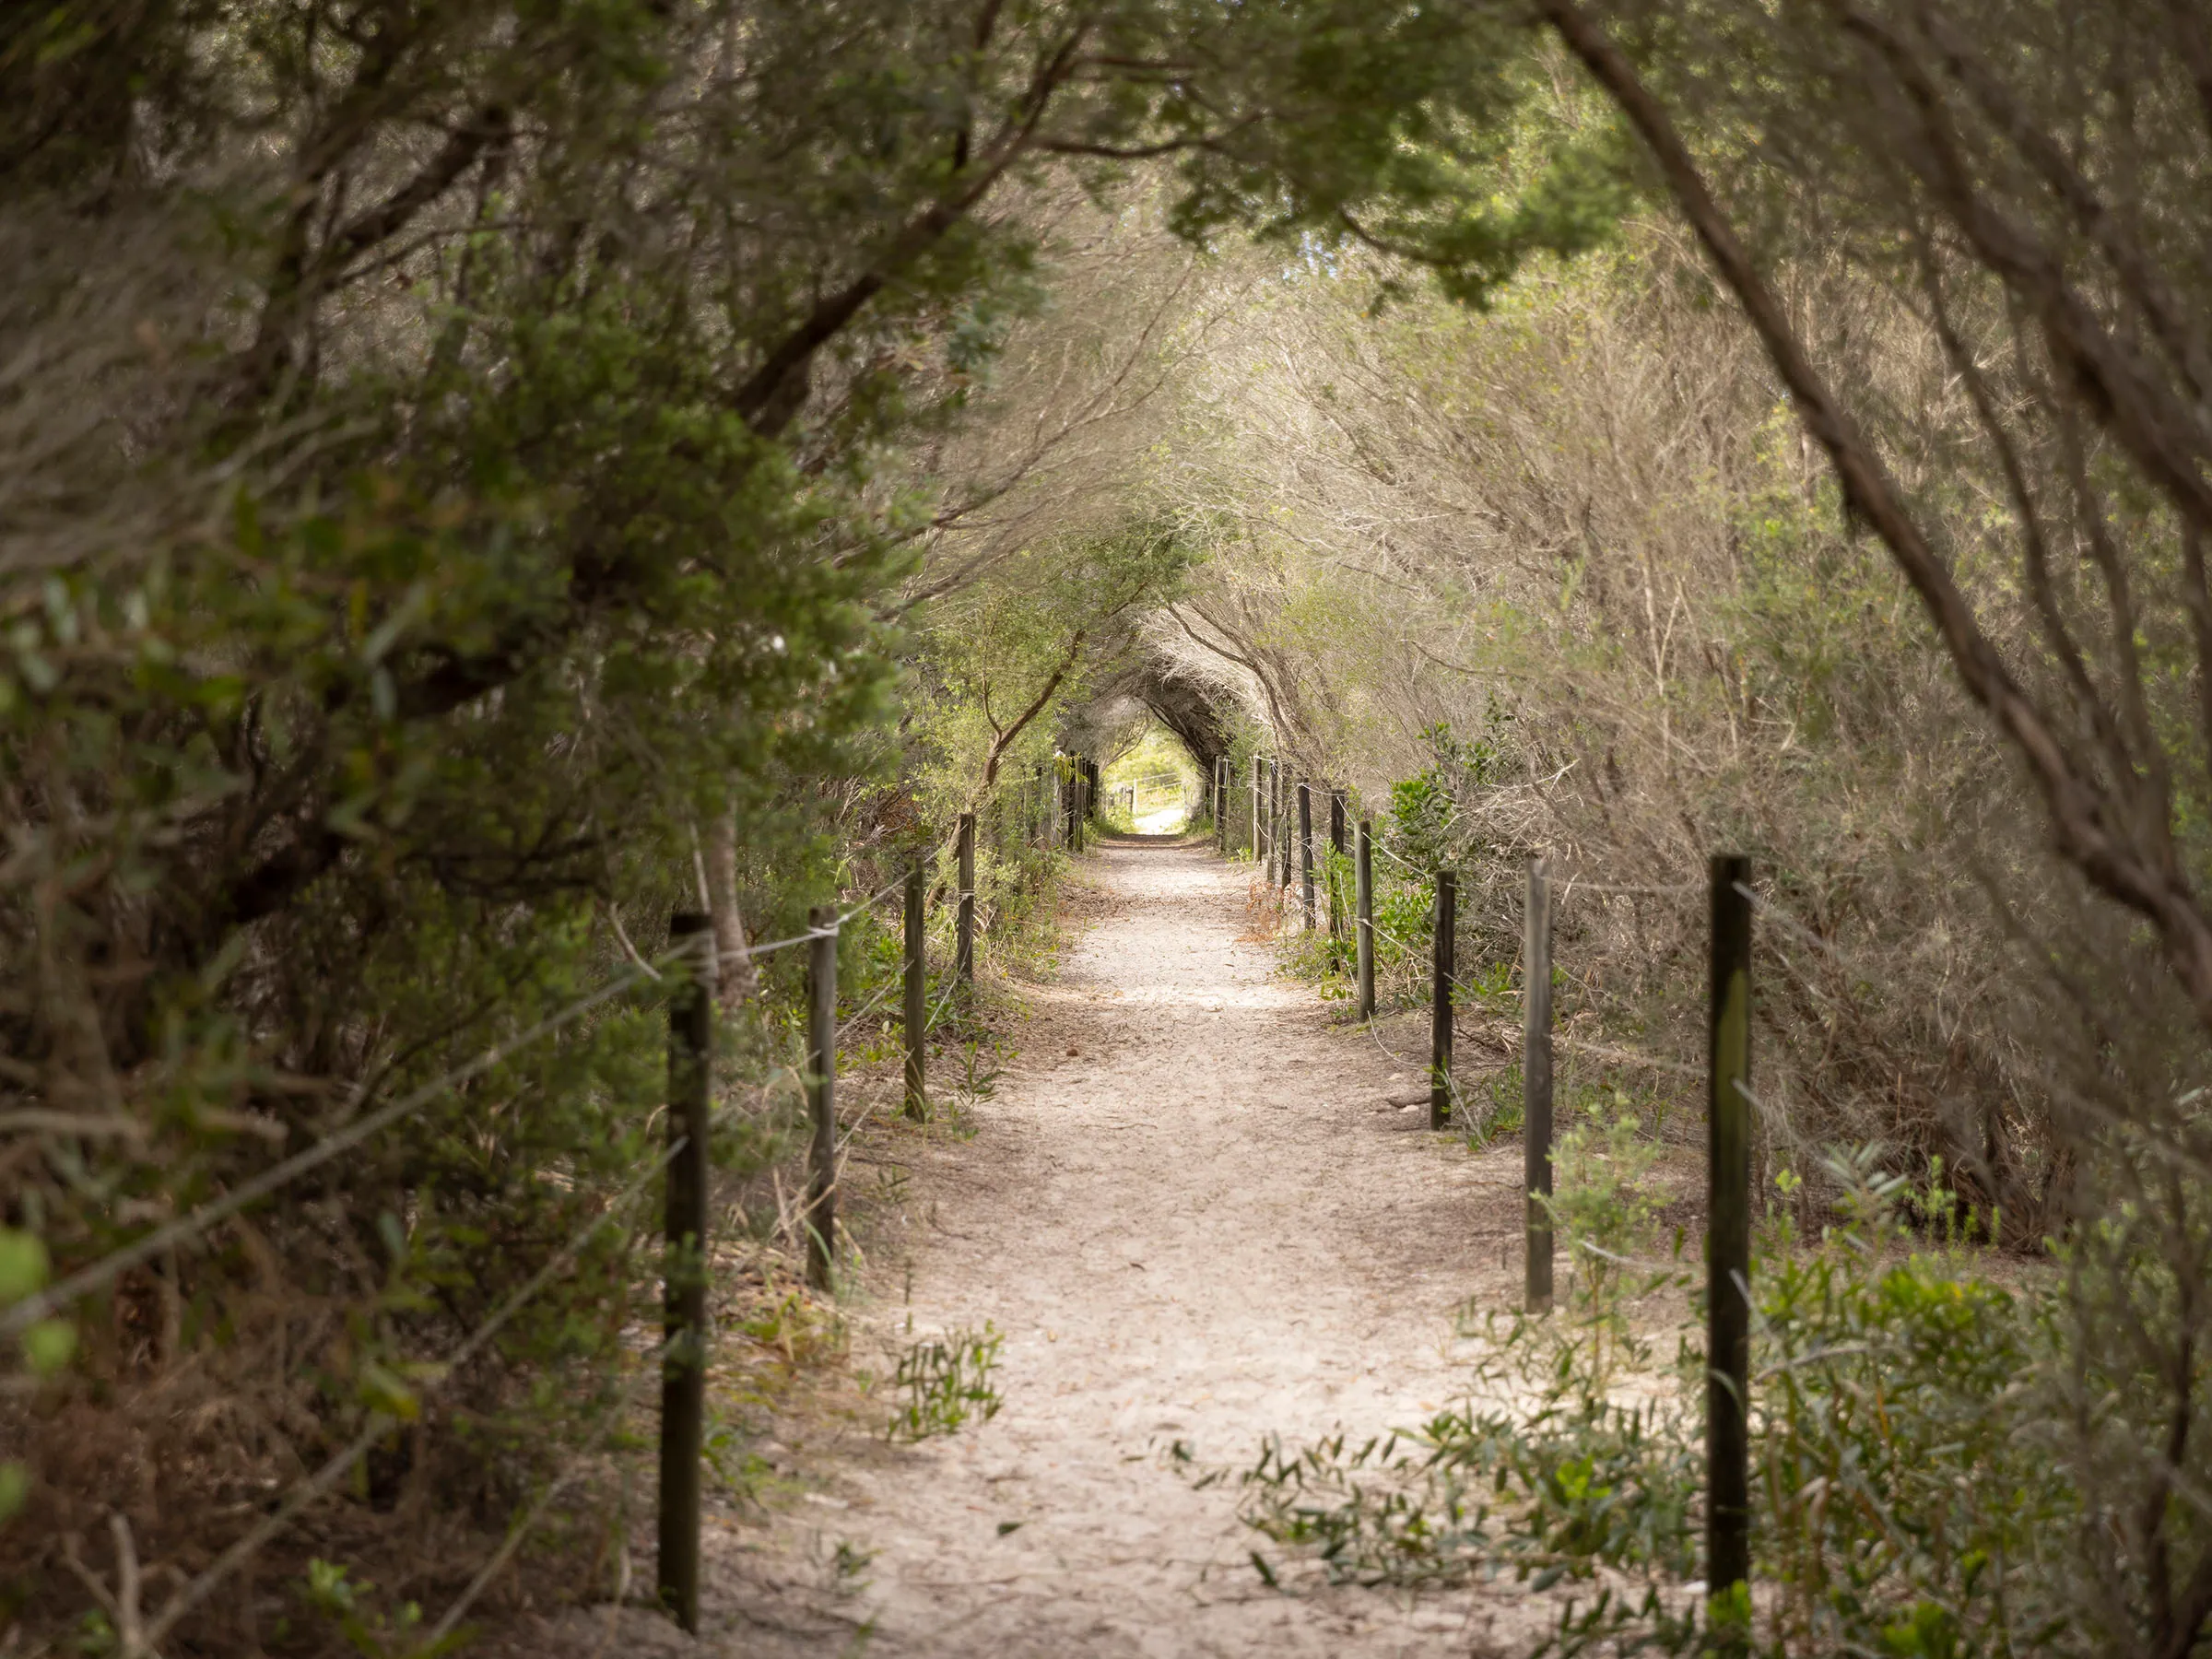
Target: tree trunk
(735, 981)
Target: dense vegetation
(476, 478)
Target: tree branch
(1000, 742)
(2082, 819)
(770, 398)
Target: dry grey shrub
(337, 270)
(1591, 529)
(1582, 529)
(1057, 431)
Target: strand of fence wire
(1844, 963)
(1621, 1261)
(1602, 1051)
(1402, 863)
(381, 1422)
(1564, 886)
(1567, 886)
(1623, 1057)
(826, 929)
(1411, 950)
(504, 1553)
(648, 1368)
(217, 1211)
(1827, 948)
(97, 1274)
(867, 1008)
(952, 986)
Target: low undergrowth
(1912, 1450)
(946, 1381)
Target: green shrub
(947, 1381)
(1911, 1496)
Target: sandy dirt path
(1195, 1214)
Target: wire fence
(686, 969)
(1564, 884)
(1273, 832)
(335, 1468)
(1729, 1102)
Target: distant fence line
(1278, 826)
(1050, 811)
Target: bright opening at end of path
(1153, 786)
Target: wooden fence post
(1535, 1082)
(917, 996)
(1280, 832)
(684, 1273)
(1221, 805)
(1267, 821)
(1264, 805)
(1728, 1235)
(821, 1070)
(964, 945)
(1336, 896)
(1259, 768)
(1440, 1000)
(1364, 877)
(1305, 849)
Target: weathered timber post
(1259, 770)
(1535, 1082)
(917, 996)
(1336, 896)
(684, 1270)
(1281, 831)
(963, 962)
(1728, 1238)
(1305, 849)
(1221, 805)
(1364, 877)
(1265, 833)
(821, 1088)
(1440, 1000)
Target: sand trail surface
(1196, 1212)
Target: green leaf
(23, 1264)
(385, 1390)
(15, 1491)
(48, 1345)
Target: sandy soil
(1196, 1212)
